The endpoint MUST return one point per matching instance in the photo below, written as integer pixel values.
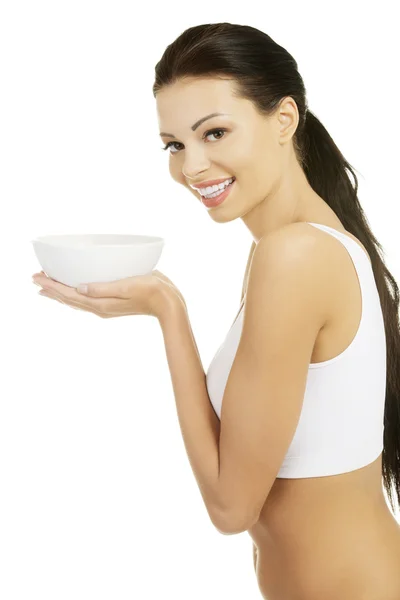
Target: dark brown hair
(265, 73)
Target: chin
(219, 217)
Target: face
(245, 149)
(244, 144)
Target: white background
(97, 497)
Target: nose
(194, 166)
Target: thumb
(83, 288)
(110, 289)
(98, 290)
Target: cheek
(244, 154)
(178, 178)
(256, 159)
(176, 174)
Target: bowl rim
(147, 240)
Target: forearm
(199, 424)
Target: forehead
(194, 98)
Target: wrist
(167, 302)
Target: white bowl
(91, 258)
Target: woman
(297, 419)
(325, 530)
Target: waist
(328, 553)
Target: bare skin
(317, 538)
(331, 537)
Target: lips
(230, 178)
(210, 183)
(212, 202)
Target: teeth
(214, 188)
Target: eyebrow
(197, 124)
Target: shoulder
(294, 244)
(293, 260)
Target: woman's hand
(139, 295)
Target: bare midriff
(328, 538)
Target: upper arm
(284, 311)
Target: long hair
(264, 73)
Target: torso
(330, 537)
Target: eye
(207, 133)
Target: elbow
(228, 525)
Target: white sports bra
(342, 419)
